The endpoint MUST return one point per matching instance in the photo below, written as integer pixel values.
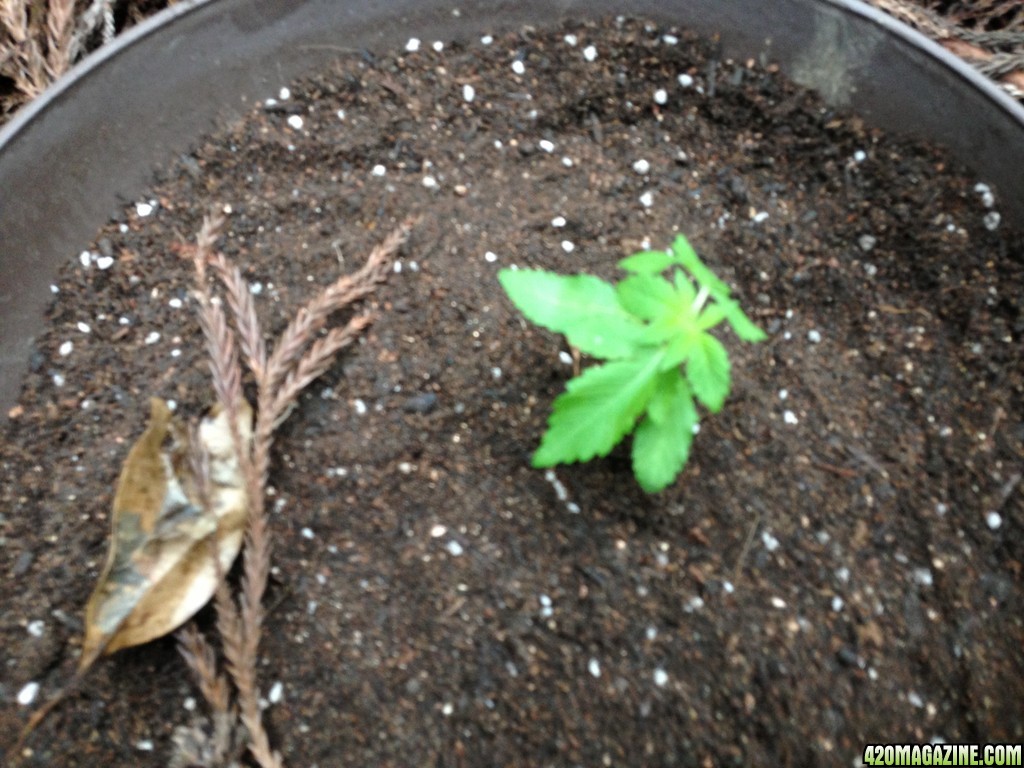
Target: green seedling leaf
(656, 334)
(707, 370)
(678, 349)
(712, 315)
(675, 309)
(582, 307)
(648, 297)
(742, 325)
(730, 311)
(684, 287)
(661, 443)
(682, 251)
(728, 308)
(687, 257)
(597, 409)
(648, 262)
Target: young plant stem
(699, 301)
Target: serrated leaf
(661, 443)
(742, 325)
(660, 332)
(647, 297)
(687, 256)
(730, 311)
(584, 308)
(712, 315)
(597, 409)
(682, 251)
(667, 387)
(684, 287)
(678, 349)
(707, 371)
(728, 307)
(647, 262)
(169, 545)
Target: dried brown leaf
(168, 551)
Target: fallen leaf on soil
(179, 518)
(161, 567)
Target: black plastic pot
(67, 160)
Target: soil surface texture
(835, 566)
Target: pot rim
(23, 118)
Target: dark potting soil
(836, 565)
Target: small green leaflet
(661, 443)
(661, 358)
(686, 257)
(581, 307)
(647, 297)
(707, 370)
(597, 409)
(648, 262)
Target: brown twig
(41, 39)
(35, 38)
(194, 745)
(245, 622)
(314, 364)
(978, 46)
(298, 357)
(343, 292)
(201, 659)
(220, 339)
(737, 570)
(244, 315)
(841, 471)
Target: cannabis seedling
(654, 334)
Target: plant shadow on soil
(828, 570)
